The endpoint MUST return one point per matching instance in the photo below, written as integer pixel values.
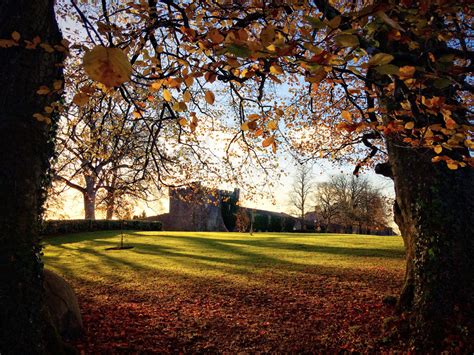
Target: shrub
(52, 227)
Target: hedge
(52, 227)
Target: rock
(61, 302)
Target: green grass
(206, 255)
(229, 292)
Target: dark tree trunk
(26, 148)
(435, 212)
(89, 195)
(110, 208)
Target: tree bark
(26, 148)
(89, 195)
(435, 210)
(110, 206)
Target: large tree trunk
(89, 195)
(25, 146)
(435, 212)
(110, 206)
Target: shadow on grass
(240, 259)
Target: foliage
(351, 201)
(242, 222)
(55, 227)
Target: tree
(301, 190)
(26, 148)
(326, 203)
(351, 201)
(101, 154)
(242, 222)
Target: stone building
(196, 208)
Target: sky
(280, 201)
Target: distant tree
(242, 221)
(351, 201)
(326, 203)
(301, 190)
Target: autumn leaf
(109, 66)
(167, 95)
(388, 69)
(187, 96)
(407, 72)
(409, 125)
(346, 40)
(183, 122)
(276, 69)
(216, 37)
(16, 36)
(346, 115)
(244, 127)
(189, 81)
(210, 97)
(80, 99)
(267, 35)
(438, 149)
(268, 141)
(272, 125)
(43, 90)
(380, 59)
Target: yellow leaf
(407, 71)
(452, 166)
(244, 127)
(276, 69)
(187, 96)
(267, 141)
(137, 114)
(183, 122)
(167, 95)
(210, 97)
(109, 66)
(156, 85)
(410, 125)
(380, 59)
(438, 149)
(16, 36)
(273, 125)
(346, 115)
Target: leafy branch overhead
(182, 49)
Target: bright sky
(73, 203)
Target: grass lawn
(188, 292)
